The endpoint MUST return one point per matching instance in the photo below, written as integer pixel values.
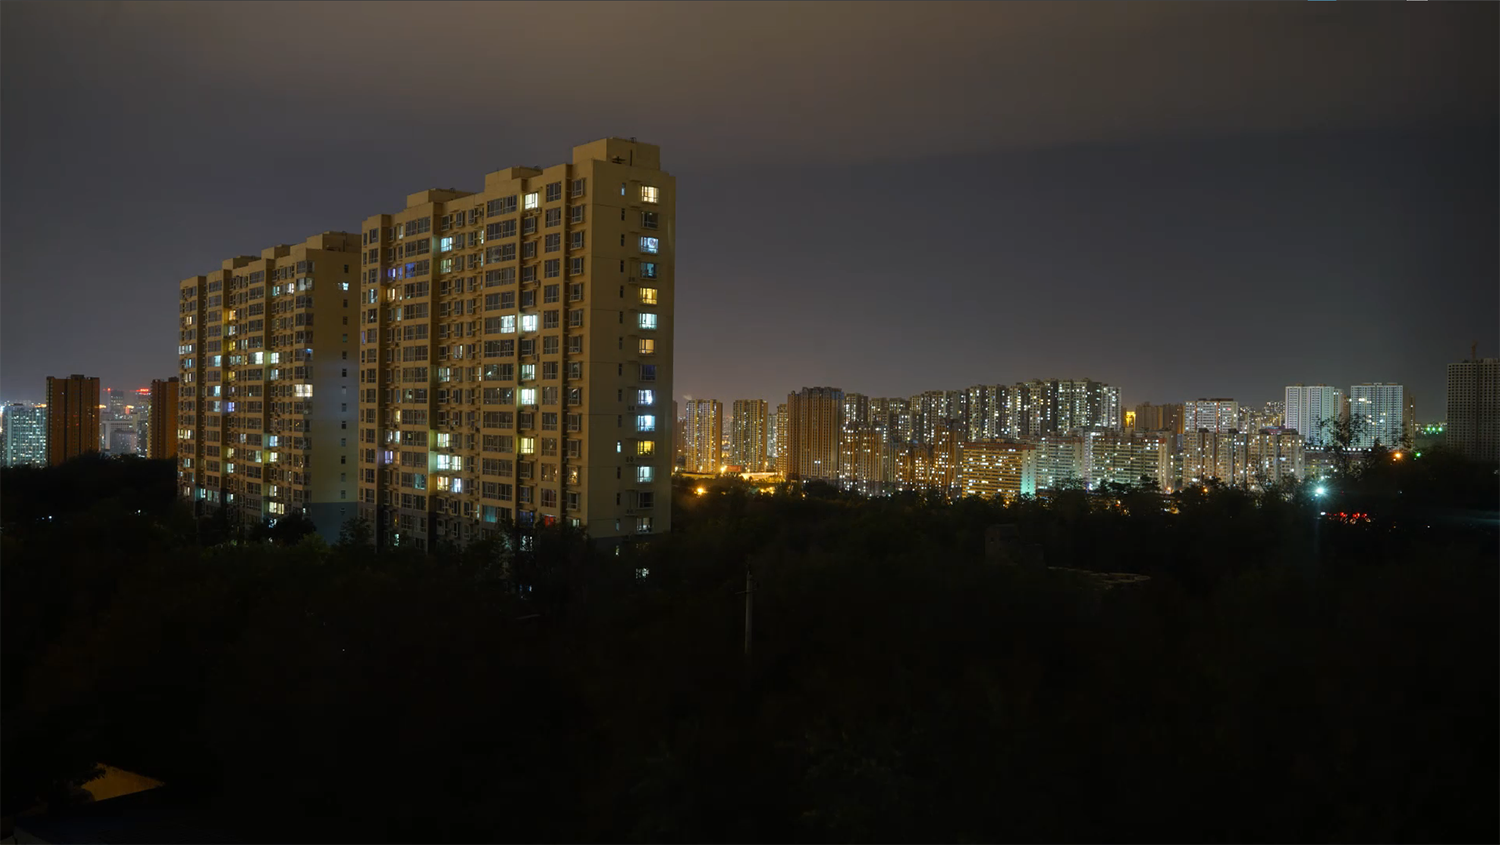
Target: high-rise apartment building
(1149, 417)
(267, 395)
(516, 351)
(814, 430)
(72, 417)
(25, 431)
(1473, 428)
(1381, 408)
(1311, 410)
(1059, 460)
(703, 433)
(163, 429)
(1210, 414)
(779, 438)
(1111, 457)
(748, 431)
(997, 468)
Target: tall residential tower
(266, 398)
(72, 417)
(516, 352)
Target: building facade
(1210, 415)
(1381, 411)
(748, 435)
(703, 434)
(814, 433)
(267, 404)
(1473, 425)
(163, 426)
(1311, 410)
(25, 431)
(72, 417)
(993, 468)
(516, 352)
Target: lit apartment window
(648, 296)
(644, 422)
(528, 322)
(527, 445)
(445, 245)
(648, 269)
(528, 396)
(528, 372)
(648, 346)
(648, 320)
(643, 526)
(650, 245)
(650, 193)
(645, 397)
(531, 200)
(643, 475)
(645, 447)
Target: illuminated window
(648, 346)
(528, 322)
(445, 245)
(650, 193)
(645, 397)
(648, 321)
(643, 474)
(645, 447)
(528, 396)
(302, 391)
(648, 296)
(528, 372)
(528, 445)
(648, 269)
(650, 245)
(645, 422)
(531, 200)
(508, 324)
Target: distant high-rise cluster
(474, 359)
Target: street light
(1320, 491)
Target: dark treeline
(1281, 676)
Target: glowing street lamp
(1320, 491)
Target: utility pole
(749, 594)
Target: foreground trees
(1279, 677)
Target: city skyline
(1185, 219)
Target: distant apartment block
(1473, 426)
(72, 417)
(704, 433)
(25, 434)
(748, 435)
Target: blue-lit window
(643, 474)
(650, 245)
(648, 269)
(645, 397)
(648, 320)
(445, 244)
(645, 422)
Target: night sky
(1185, 200)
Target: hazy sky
(1184, 200)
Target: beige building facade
(515, 352)
(266, 373)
